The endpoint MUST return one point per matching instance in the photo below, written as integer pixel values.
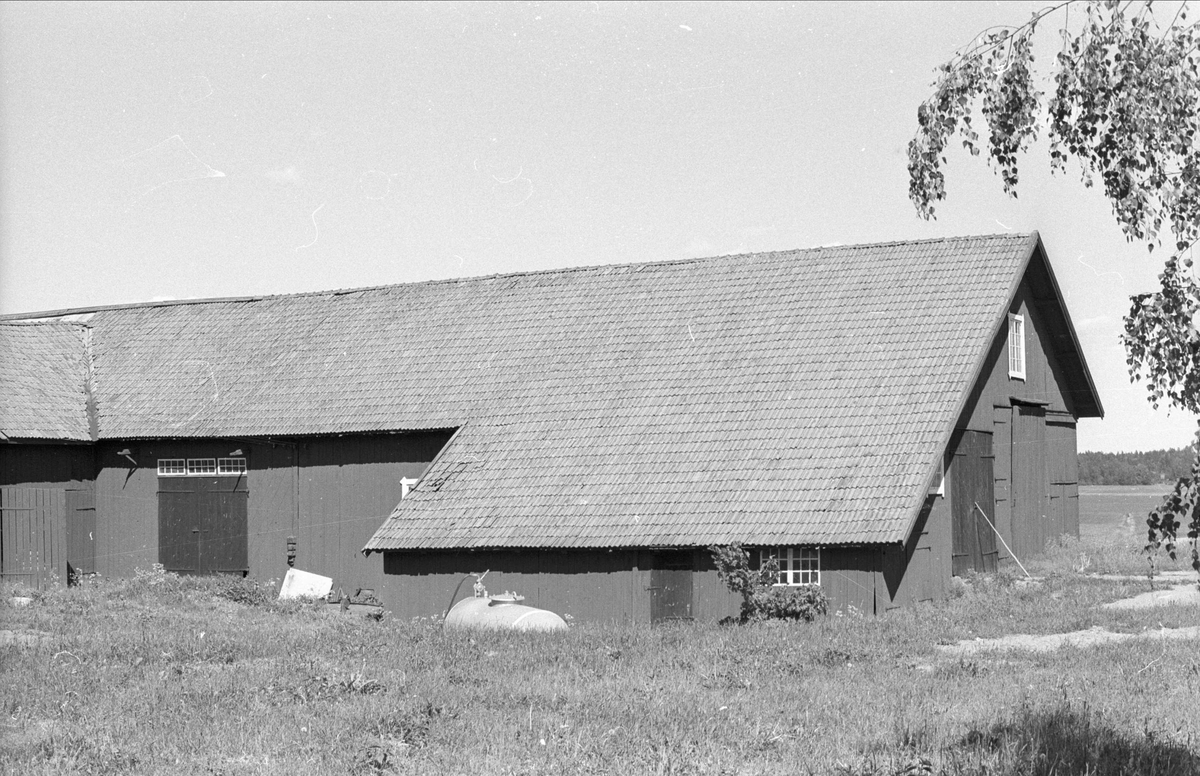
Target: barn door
(972, 492)
(33, 536)
(1062, 471)
(223, 547)
(81, 529)
(1028, 484)
(202, 525)
(671, 586)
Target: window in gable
(797, 565)
(1016, 346)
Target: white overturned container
(502, 612)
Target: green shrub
(244, 590)
(804, 602)
(762, 599)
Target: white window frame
(172, 467)
(202, 467)
(231, 467)
(797, 565)
(1016, 346)
(406, 486)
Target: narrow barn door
(1028, 484)
(972, 493)
(33, 536)
(671, 586)
(178, 525)
(222, 509)
(81, 529)
(1062, 466)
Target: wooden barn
(866, 414)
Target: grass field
(162, 675)
(1117, 510)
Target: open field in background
(161, 675)
(1117, 510)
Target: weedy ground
(162, 675)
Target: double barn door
(202, 525)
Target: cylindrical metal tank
(502, 612)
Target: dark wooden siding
(1030, 487)
(852, 577)
(271, 512)
(591, 585)
(47, 466)
(81, 528)
(605, 586)
(69, 470)
(919, 570)
(33, 536)
(202, 525)
(348, 486)
(1044, 376)
(1063, 473)
(971, 489)
(1002, 471)
(328, 493)
(1035, 485)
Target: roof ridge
(38, 315)
(47, 322)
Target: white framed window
(406, 485)
(172, 467)
(1016, 346)
(231, 466)
(797, 565)
(202, 466)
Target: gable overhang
(1052, 307)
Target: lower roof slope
(43, 381)
(799, 397)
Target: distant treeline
(1149, 468)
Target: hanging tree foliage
(1126, 107)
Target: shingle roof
(783, 398)
(43, 381)
(800, 397)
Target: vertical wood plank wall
(69, 470)
(348, 486)
(1030, 503)
(33, 536)
(592, 585)
(329, 493)
(608, 586)
(1048, 470)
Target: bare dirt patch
(1048, 643)
(1183, 595)
(1179, 595)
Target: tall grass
(162, 675)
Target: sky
(189, 150)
